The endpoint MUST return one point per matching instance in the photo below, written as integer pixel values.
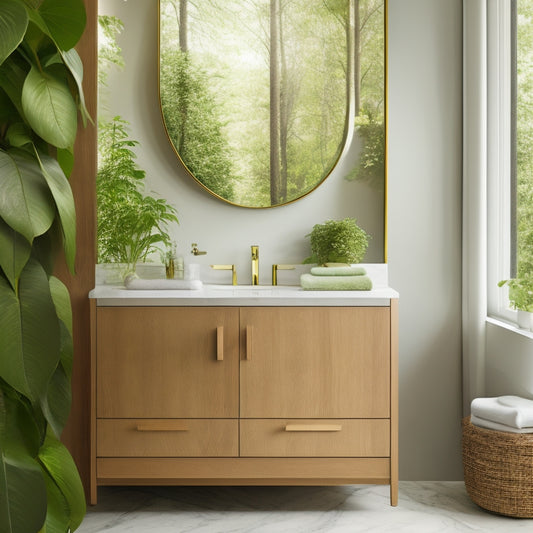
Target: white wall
(509, 361)
(424, 209)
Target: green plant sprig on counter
(130, 223)
(337, 241)
(520, 292)
(40, 96)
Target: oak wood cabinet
(244, 395)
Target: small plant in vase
(337, 241)
(521, 298)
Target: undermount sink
(251, 289)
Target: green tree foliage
(130, 224)
(193, 122)
(109, 52)
(229, 45)
(525, 140)
(40, 96)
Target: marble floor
(424, 507)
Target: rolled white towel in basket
(511, 411)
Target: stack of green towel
(336, 278)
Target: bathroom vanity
(244, 386)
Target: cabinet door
(325, 362)
(167, 362)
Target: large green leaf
(65, 20)
(73, 62)
(18, 135)
(58, 512)
(25, 203)
(56, 405)
(29, 333)
(60, 466)
(62, 193)
(61, 299)
(50, 108)
(14, 252)
(22, 487)
(13, 24)
(13, 72)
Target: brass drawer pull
(162, 426)
(220, 343)
(313, 427)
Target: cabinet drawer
(315, 438)
(167, 438)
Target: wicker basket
(498, 469)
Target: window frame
(501, 173)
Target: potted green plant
(131, 224)
(40, 96)
(337, 241)
(521, 299)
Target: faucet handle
(227, 267)
(195, 251)
(275, 269)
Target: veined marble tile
(424, 507)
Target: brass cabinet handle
(313, 427)
(162, 425)
(249, 330)
(220, 343)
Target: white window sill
(509, 326)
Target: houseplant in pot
(337, 241)
(131, 224)
(40, 97)
(521, 299)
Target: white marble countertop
(227, 295)
(247, 295)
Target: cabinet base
(243, 471)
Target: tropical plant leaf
(25, 203)
(62, 193)
(58, 512)
(65, 158)
(73, 62)
(13, 72)
(21, 478)
(56, 405)
(50, 108)
(18, 135)
(61, 299)
(65, 21)
(57, 402)
(59, 464)
(29, 333)
(13, 24)
(14, 253)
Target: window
(510, 147)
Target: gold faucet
(227, 267)
(275, 269)
(255, 264)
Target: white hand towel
(511, 411)
(488, 424)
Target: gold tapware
(227, 267)
(275, 269)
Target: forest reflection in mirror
(259, 97)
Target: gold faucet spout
(227, 267)
(255, 264)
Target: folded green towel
(338, 271)
(335, 283)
